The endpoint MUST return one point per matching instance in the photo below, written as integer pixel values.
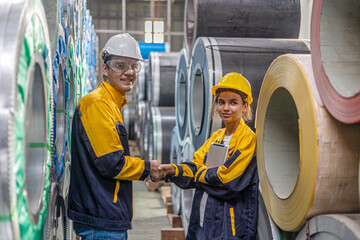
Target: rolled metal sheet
(305, 22)
(139, 124)
(266, 228)
(54, 16)
(162, 123)
(187, 195)
(147, 121)
(68, 9)
(140, 83)
(60, 90)
(175, 158)
(182, 82)
(332, 226)
(161, 85)
(335, 45)
(241, 18)
(129, 116)
(212, 58)
(56, 220)
(25, 119)
(307, 161)
(72, 82)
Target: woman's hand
(168, 169)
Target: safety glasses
(121, 67)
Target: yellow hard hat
(235, 81)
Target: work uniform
(232, 188)
(100, 192)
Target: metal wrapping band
(129, 115)
(307, 161)
(26, 139)
(162, 123)
(335, 44)
(332, 226)
(162, 75)
(60, 89)
(266, 228)
(175, 158)
(214, 57)
(187, 153)
(182, 82)
(72, 82)
(240, 18)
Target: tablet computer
(217, 155)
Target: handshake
(159, 171)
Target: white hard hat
(123, 45)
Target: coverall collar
(235, 136)
(118, 98)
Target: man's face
(121, 73)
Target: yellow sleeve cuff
(202, 171)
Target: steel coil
(335, 44)
(182, 82)
(306, 9)
(186, 194)
(241, 18)
(140, 91)
(266, 228)
(214, 57)
(25, 119)
(147, 122)
(140, 125)
(60, 89)
(53, 13)
(72, 82)
(175, 158)
(69, 10)
(162, 122)
(129, 116)
(56, 221)
(332, 226)
(161, 81)
(307, 161)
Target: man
(100, 195)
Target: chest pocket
(123, 137)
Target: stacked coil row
(42, 64)
(154, 106)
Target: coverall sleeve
(185, 172)
(109, 157)
(234, 175)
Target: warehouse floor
(149, 214)
(149, 210)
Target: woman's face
(230, 107)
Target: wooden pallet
(176, 232)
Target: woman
(226, 197)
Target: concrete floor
(149, 214)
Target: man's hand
(168, 169)
(155, 174)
